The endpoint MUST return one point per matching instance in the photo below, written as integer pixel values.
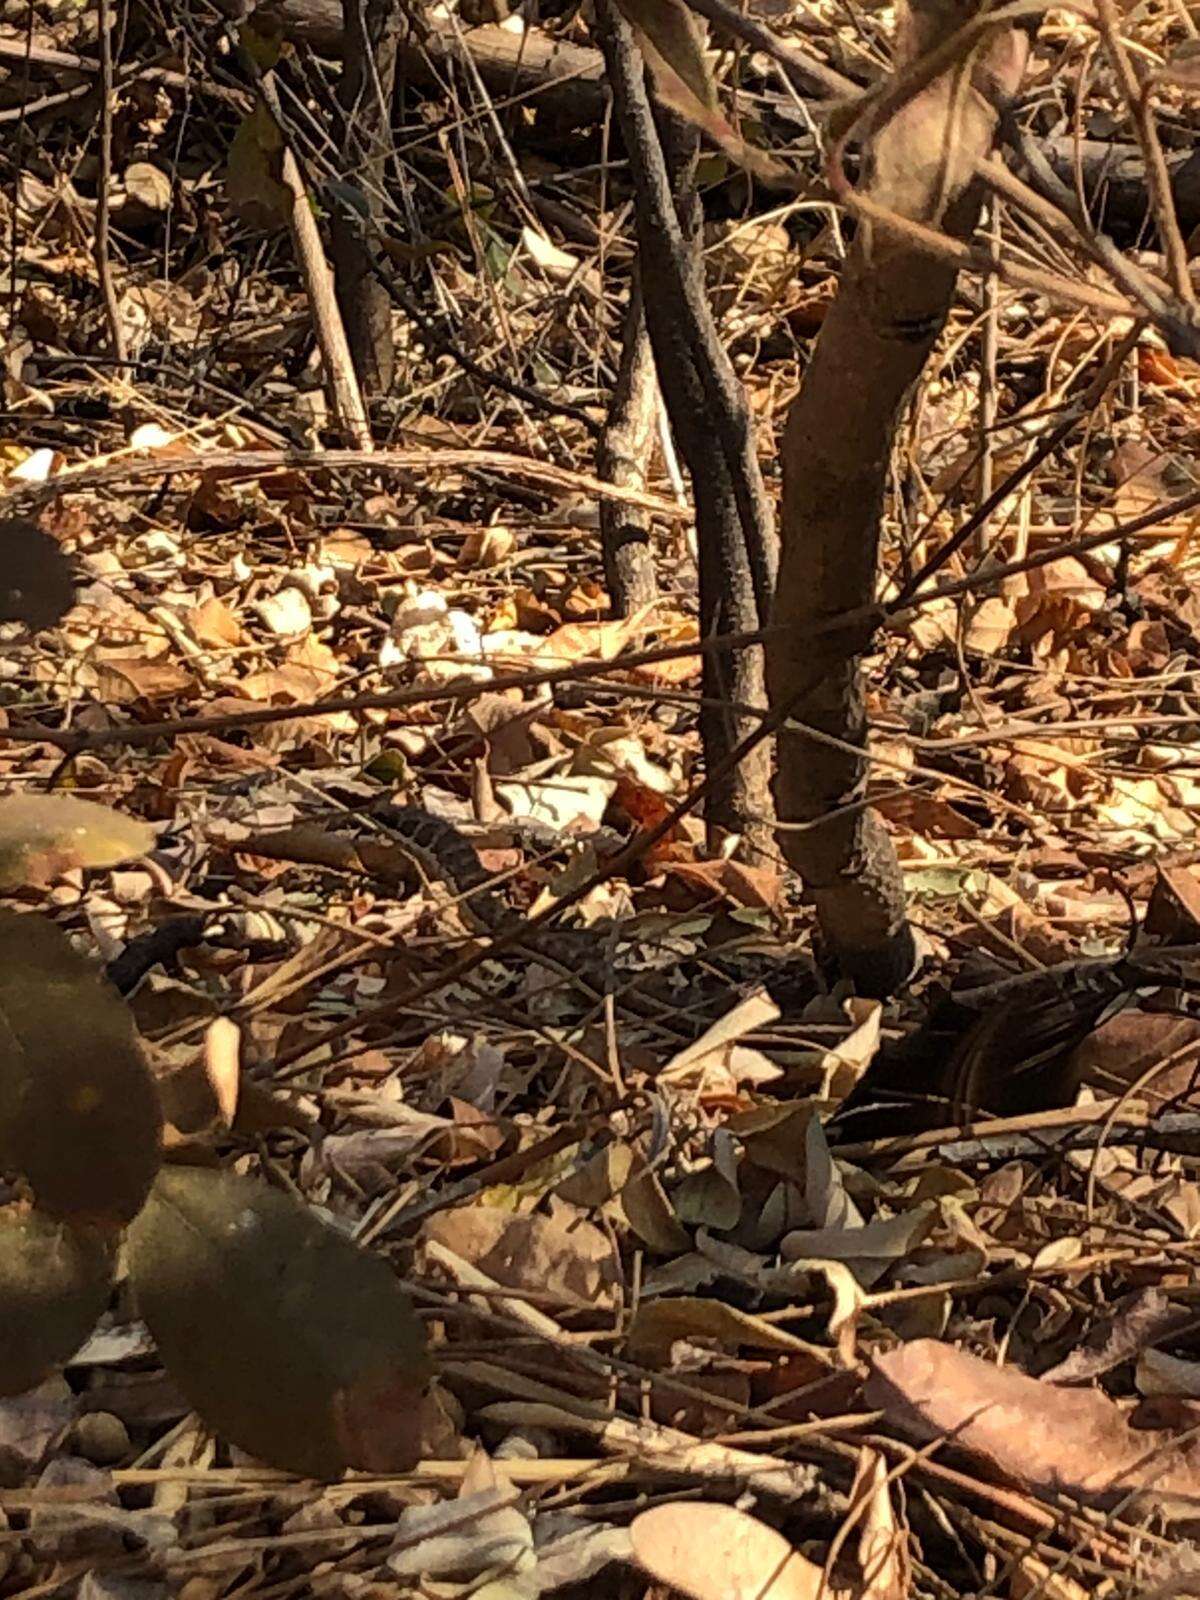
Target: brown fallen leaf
(560, 1255)
(1050, 1439)
(1157, 1049)
(1173, 912)
(883, 1539)
(715, 1552)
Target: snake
(442, 853)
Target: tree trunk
(891, 305)
(371, 29)
(623, 457)
(711, 423)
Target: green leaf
(253, 173)
(44, 835)
(262, 41)
(54, 1283)
(36, 582)
(79, 1113)
(286, 1337)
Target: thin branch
(804, 72)
(1045, 447)
(1137, 98)
(491, 376)
(546, 476)
(112, 311)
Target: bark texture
(365, 101)
(568, 79)
(623, 459)
(890, 308)
(711, 423)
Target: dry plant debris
(687, 1333)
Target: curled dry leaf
(671, 39)
(36, 582)
(1132, 1325)
(716, 1059)
(714, 1552)
(882, 1541)
(658, 1323)
(44, 835)
(286, 1337)
(79, 1114)
(54, 1283)
(561, 1255)
(1055, 1440)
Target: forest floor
(594, 1149)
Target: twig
(112, 311)
(442, 342)
(804, 72)
(546, 476)
(74, 743)
(66, 60)
(1045, 447)
(1137, 98)
(344, 392)
(519, 934)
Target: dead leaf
(714, 1552)
(1073, 1442)
(715, 1061)
(1159, 1373)
(1128, 1046)
(883, 1540)
(562, 1255)
(658, 1323)
(1133, 1323)
(671, 39)
(212, 623)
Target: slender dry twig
(1137, 98)
(344, 392)
(1045, 447)
(104, 270)
(547, 476)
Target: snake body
(441, 853)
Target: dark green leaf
(54, 1283)
(36, 584)
(286, 1337)
(79, 1114)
